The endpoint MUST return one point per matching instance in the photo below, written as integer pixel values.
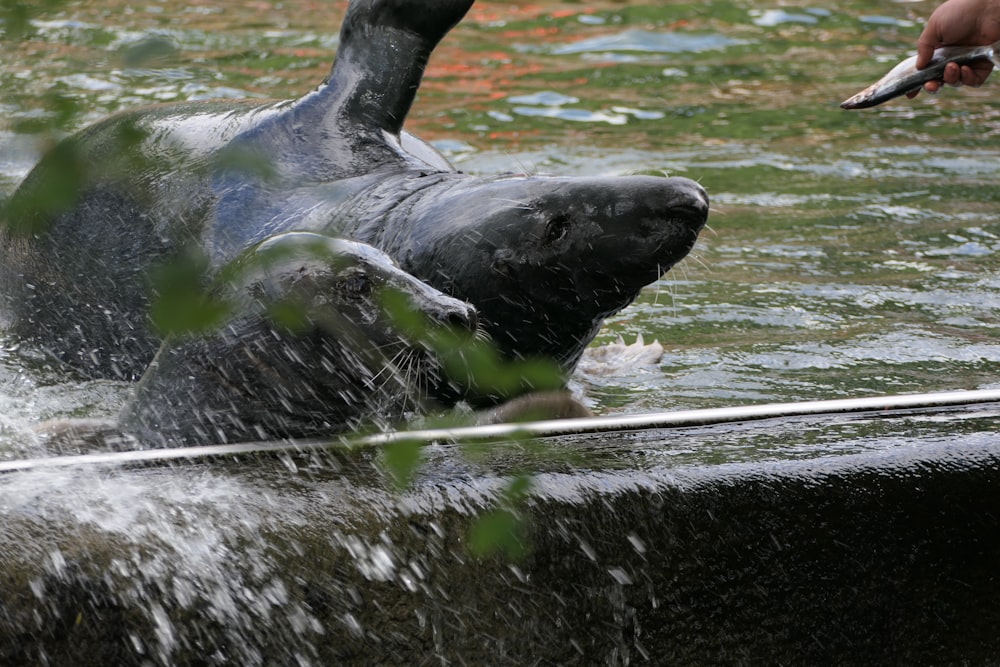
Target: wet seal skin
(542, 259)
(338, 361)
(309, 349)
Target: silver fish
(905, 76)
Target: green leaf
(498, 531)
(517, 489)
(405, 317)
(31, 211)
(401, 460)
(477, 365)
(247, 163)
(183, 304)
(16, 16)
(290, 314)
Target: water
(849, 254)
(835, 237)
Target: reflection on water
(645, 42)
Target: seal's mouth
(682, 231)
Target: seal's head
(545, 260)
(311, 350)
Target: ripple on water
(641, 41)
(778, 199)
(773, 17)
(547, 98)
(769, 369)
(911, 345)
(870, 165)
(966, 249)
(886, 21)
(89, 83)
(929, 296)
(550, 104)
(574, 115)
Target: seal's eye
(357, 284)
(556, 229)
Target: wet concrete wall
(882, 557)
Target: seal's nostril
(693, 213)
(459, 318)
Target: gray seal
(543, 259)
(334, 360)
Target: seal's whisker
(524, 206)
(398, 375)
(701, 262)
(659, 284)
(482, 334)
(672, 291)
(678, 268)
(521, 166)
(384, 373)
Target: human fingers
(925, 49)
(976, 73)
(967, 22)
(952, 74)
(929, 87)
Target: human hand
(959, 22)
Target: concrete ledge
(685, 547)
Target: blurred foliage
(760, 114)
(32, 209)
(192, 298)
(499, 531)
(66, 169)
(150, 51)
(474, 365)
(401, 460)
(61, 111)
(245, 163)
(191, 301)
(183, 304)
(16, 16)
(503, 530)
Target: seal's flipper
(384, 49)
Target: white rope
(539, 429)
